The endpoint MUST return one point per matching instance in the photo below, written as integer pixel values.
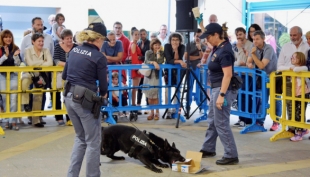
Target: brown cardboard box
(192, 163)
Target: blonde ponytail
(87, 35)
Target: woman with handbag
(35, 55)
(9, 56)
(154, 56)
(135, 54)
(61, 53)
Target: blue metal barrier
(202, 75)
(122, 88)
(247, 95)
(258, 98)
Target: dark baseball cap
(211, 29)
(98, 28)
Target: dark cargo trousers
(219, 125)
(87, 139)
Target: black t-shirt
(222, 56)
(195, 52)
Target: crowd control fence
(171, 83)
(292, 88)
(252, 100)
(247, 95)
(15, 94)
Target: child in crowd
(308, 37)
(116, 95)
(299, 61)
(58, 27)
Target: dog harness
(140, 139)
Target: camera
(128, 61)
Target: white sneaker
(242, 124)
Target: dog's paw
(163, 166)
(119, 158)
(154, 169)
(157, 170)
(116, 157)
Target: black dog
(146, 147)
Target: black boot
(207, 154)
(39, 125)
(227, 161)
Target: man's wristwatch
(222, 94)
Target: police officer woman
(220, 73)
(85, 65)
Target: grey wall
(18, 19)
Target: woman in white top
(35, 55)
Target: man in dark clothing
(144, 45)
(173, 52)
(195, 55)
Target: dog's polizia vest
(140, 139)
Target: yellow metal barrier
(18, 114)
(289, 80)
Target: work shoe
(61, 123)
(242, 124)
(39, 125)
(274, 126)
(41, 120)
(168, 115)
(237, 124)
(227, 161)
(69, 123)
(207, 154)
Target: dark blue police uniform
(222, 56)
(85, 65)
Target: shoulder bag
(40, 80)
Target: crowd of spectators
(253, 49)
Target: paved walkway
(33, 152)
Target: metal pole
(169, 15)
(249, 17)
(244, 13)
